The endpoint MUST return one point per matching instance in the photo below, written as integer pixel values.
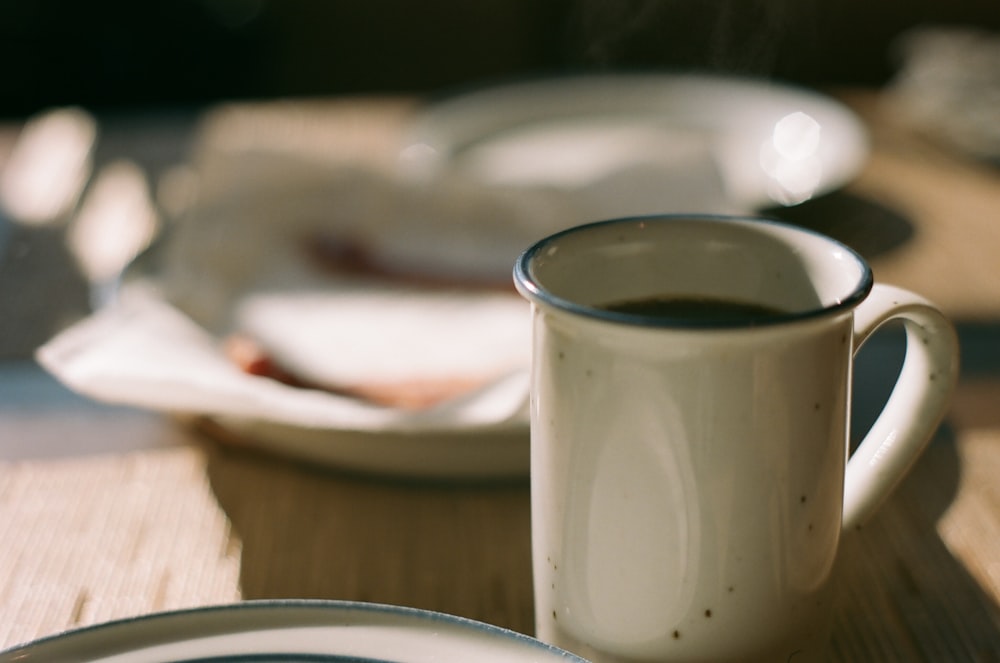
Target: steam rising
(728, 36)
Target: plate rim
(212, 620)
(429, 142)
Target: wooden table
(108, 512)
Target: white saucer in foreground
(292, 631)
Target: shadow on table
(904, 594)
(313, 533)
(866, 226)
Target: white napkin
(239, 264)
(143, 352)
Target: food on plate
(411, 394)
(345, 256)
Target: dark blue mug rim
(529, 287)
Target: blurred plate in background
(642, 143)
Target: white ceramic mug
(690, 477)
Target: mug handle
(916, 405)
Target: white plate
(486, 454)
(233, 264)
(645, 143)
(291, 631)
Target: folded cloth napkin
(144, 352)
(349, 325)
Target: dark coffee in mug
(698, 310)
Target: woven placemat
(92, 539)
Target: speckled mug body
(687, 476)
(687, 485)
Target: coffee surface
(696, 309)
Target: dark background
(113, 54)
